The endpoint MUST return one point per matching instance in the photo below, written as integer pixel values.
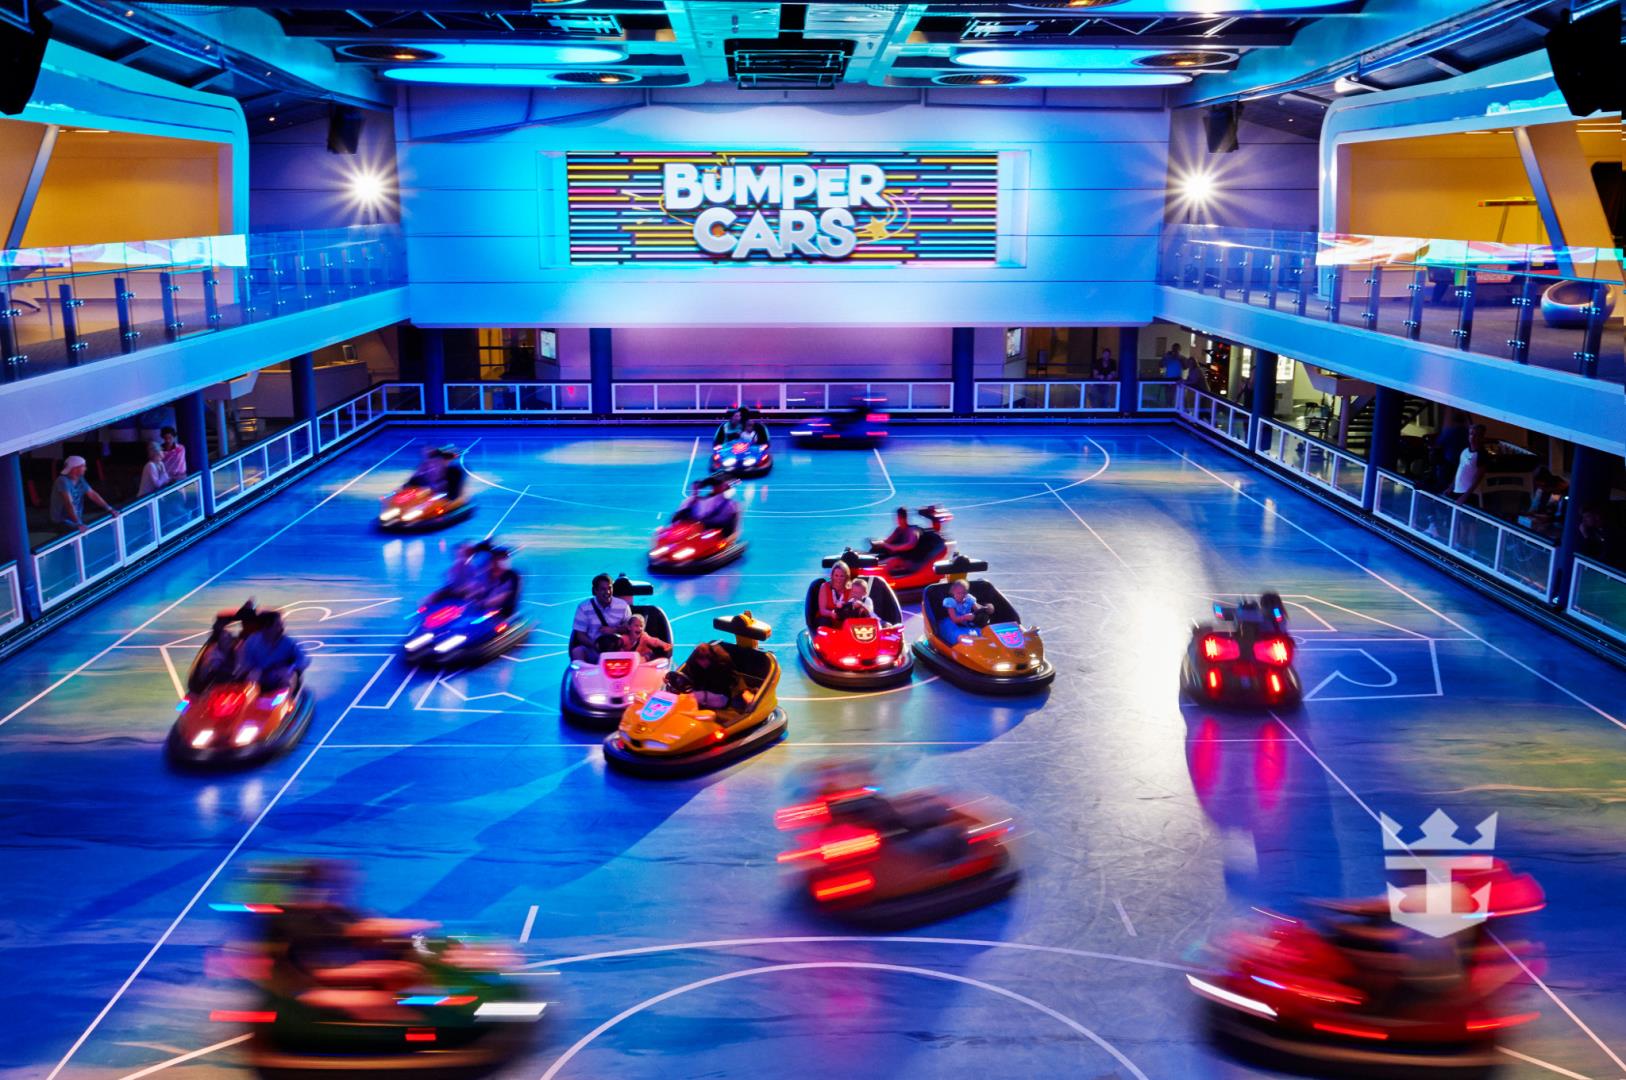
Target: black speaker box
(1220, 124)
(20, 54)
(344, 130)
(1588, 61)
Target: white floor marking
(174, 676)
(215, 873)
(182, 1059)
(498, 523)
(205, 583)
(1549, 1066)
(1089, 527)
(683, 489)
(930, 973)
(411, 674)
(1531, 975)
(891, 939)
(1385, 581)
(530, 921)
(1124, 915)
(1106, 462)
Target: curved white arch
(929, 973)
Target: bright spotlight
(1197, 188)
(366, 189)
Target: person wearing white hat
(68, 497)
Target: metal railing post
(1524, 305)
(1414, 316)
(1596, 313)
(127, 333)
(12, 360)
(166, 299)
(1464, 333)
(211, 303)
(70, 323)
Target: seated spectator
(69, 495)
(1105, 368)
(153, 474)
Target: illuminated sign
(737, 208)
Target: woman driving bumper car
(434, 496)
(854, 634)
(975, 639)
(740, 446)
(246, 699)
(720, 706)
(704, 532)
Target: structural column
(191, 425)
(302, 384)
(434, 372)
(1129, 369)
(1589, 480)
(1262, 400)
(963, 369)
(599, 365)
(14, 532)
(1388, 417)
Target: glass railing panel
(993, 395)
(1526, 562)
(99, 546)
(1394, 497)
(1475, 539)
(931, 397)
(1598, 597)
(676, 397)
(633, 397)
(227, 480)
(140, 524)
(805, 396)
(57, 570)
(180, 506)
(763, 396)
(460, 398)
(85, 303)
(719, 397)
(536, 397)
(11, 599)
(1551, 307)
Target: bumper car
(671, 734)
(1244, 659)
(232, 723)
(225, 720)
(376, 997)
(595, 695)
(456, 633)
(860, 654)
(885, 862)
(859, 426)
(1349, 989)
(435, 496)
(702, 536)
(418, 508)
(1001, 657)
(910, 571)
(741, 453)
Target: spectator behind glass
(1174, 365)
(1106, 367)
(153, 473)
(69, 495)
(174, 454)
(1451, 441)
(1593, 539)
(1470, 468)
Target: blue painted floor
(463, 799)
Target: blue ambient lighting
(1056, 59)
(482, 53)
(473, 76)
(1104, 78)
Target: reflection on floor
(462, 798)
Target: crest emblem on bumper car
(657, 707)
(1010, 634)
(863, 631)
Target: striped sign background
(944, 208)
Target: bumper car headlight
(598, 699)
(1003, 665)
(412, 515)
(203, 738)
(450, 643)
(389, 515)
(419, 642)
(683, 553)
(884, 660)
(246, 734)
(730, 461)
